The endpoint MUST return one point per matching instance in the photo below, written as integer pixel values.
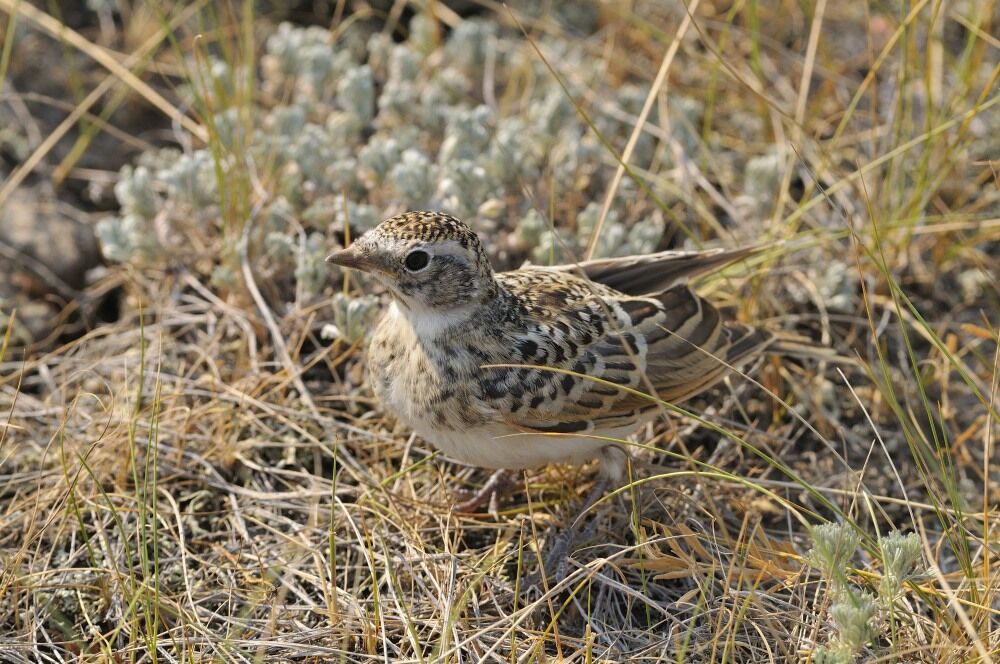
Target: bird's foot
(555, 563)
(475, 501)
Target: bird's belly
(497, 446)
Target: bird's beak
(352, 258)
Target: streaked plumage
(629, 322)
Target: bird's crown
(429, 227)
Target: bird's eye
(417, 260)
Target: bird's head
(429, 261)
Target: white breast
(500, 446)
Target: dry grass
(207, 480)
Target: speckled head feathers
(427, 226)
(428, 261)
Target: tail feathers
(747, 343)
(790, 345)
(655, 273)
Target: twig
(272, 325)
(661, 76)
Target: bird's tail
(791, 345)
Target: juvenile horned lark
(627, 322)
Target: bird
(542, 364)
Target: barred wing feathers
(674, 340)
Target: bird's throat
(429, 324)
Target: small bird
(518, 369)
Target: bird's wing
(675, 343)
(649, 274)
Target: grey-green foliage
(470, 43)
(574, 160)
(613, 234)
(191, 179)
(437, 96)
(558, 245)
(358, 215)
(227, 127)
(901, 561)
(529, 230)
(467, 135)
(465, 179)
(225, 275)
(314, 152)
(833, 653)
(550, 114)
(621, 117)
(352, 120)
(400, 95)
(834, 544)
(213, 80)
(463, 186)
(14, 141)
(685, 117)
(125, 238)
(761, 179)
(378, 157)
(356, 92)
(854, 614)
(413, 176)
(423, 34)
(109, 6)
(279, 247)
(515, 153)
(854, 611)
(836, 284)
(131, 235)
(306, 59)
(310, 269)
(352, 317)
(135, 194)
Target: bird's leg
(613, 462)
(496, 485)
(557, 559)
(595, 494)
